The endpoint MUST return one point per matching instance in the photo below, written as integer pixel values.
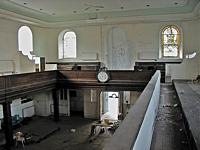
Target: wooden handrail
(18, 85)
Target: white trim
(131, 19)
(181, 42)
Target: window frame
(61, 46)
(25, 52)
(180, 44)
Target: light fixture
(190, 56)
(114, 95)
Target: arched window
(171, 42)
(25, 41)
(67, 45)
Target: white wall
(129, 99)
(91, 107)
(26, 65)
(198, 41)
(9, 49)
(188, 69)
(23, 110)
(42, 102)
(144, 137)
(8, 42)
(143, 41)
(45, 42)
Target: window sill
(164, 60)
(170, 60)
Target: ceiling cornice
(189, 12)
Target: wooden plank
(169, 131)
(129, 80)
(78, 65)
(55, 93)
(15, 86)
(190, 102)
(8, 124)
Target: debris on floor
(169, 132)
(73, 130)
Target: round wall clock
(103, 76)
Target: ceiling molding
(197, 10)
(173, 14)
(20, 18)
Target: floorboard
(169, 132)
(42, 128)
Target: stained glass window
(171, 40)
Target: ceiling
(52, 11)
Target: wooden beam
(42, 64)
(19, 85)
(120, 80)
(55, 93)
(8, 124)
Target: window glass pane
(170, 51)
(174, 31)
(171, 42)
(25, 40)
(69, 45)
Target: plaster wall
(77, 100)
(91, 107)
(42, 102)
(11, 60)
(188, 69)
(17, 108)
(142, 38)
(8, 44)
(131, 98)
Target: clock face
(103, 76)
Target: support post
(8, 125)
(56, 104)
(42, 64)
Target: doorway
(76, 102)
(110, 105)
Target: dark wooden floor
(169, 133)
(63, 139)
